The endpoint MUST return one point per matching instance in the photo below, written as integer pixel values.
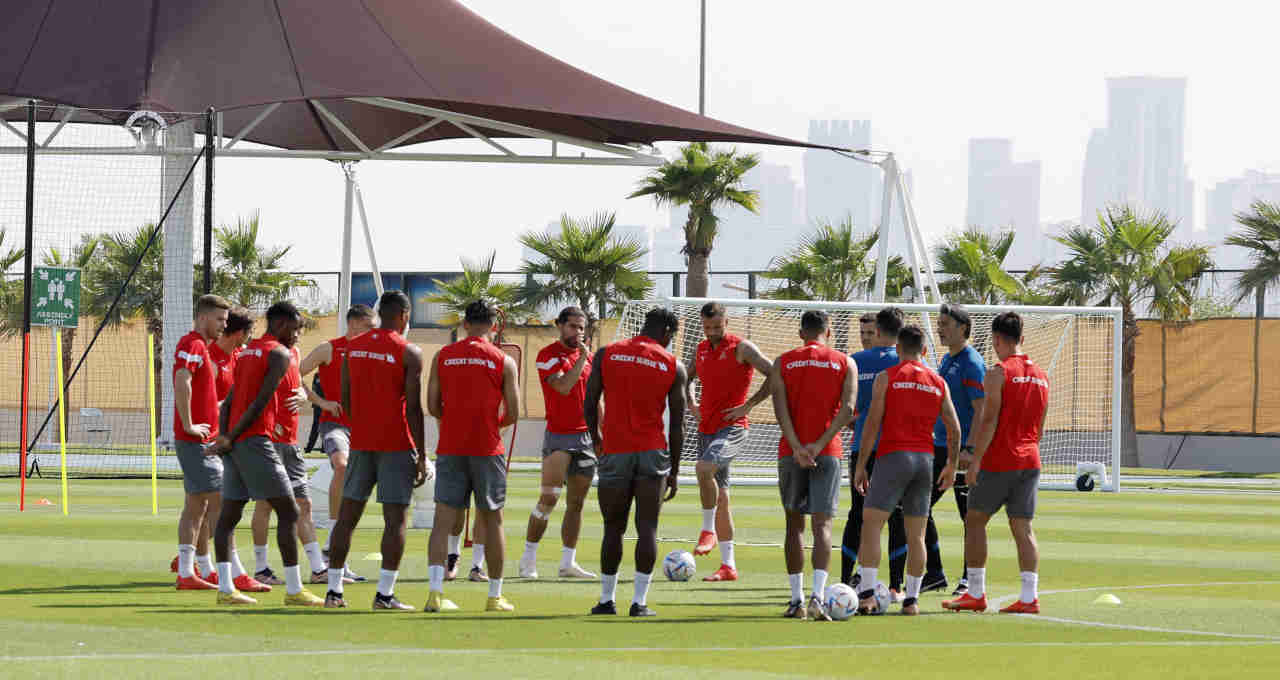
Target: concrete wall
(1209, 452)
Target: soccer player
(568, 456)
(879, 335)
(906, 401)
(638, 378)
(724, 363)
(1005, 471)
(382, 398)
(195, 424)
(472, 392)
(964, 370)
(813, 393)
(334, 429)
(253, 468)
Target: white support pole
(1117, 392)
(344, 279)
(912, 256)
(368, 240)
(890, 167)
(915, 233)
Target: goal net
(1076, 346)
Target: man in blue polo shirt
(879, 334)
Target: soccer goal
(1079, 348)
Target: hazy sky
(928, 75)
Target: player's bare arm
(277, 364)
(848, 392)
(748, 353)
(691, 399)
(563, 381)
(993, 386)
(182, 402)
(778, 390)
(591, 400)
(321, 355)
(224, 415)
(346, 384)
(413, 411)
(510, 393)
(870, 432)
(951, 421)
(675, 426)
(435, 405)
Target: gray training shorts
(334, 438)
(291, 456)
(621, 469)
(1015, 489)
(200, 473)
(721, 448)
(582, 455)
(810, 491)
(904, 477)
(253, 470)
(460, 477)
(393, 472)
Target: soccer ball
(842, 602)
(882, 598)
(679, 565)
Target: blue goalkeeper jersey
(964, 373)
(870, 363)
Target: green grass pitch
(1198, 576)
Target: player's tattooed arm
(675, 426)
(985, 430)
(277, 363)
(510, 393)
(320, 356)
(564, 381)
(870, 431)
(413, 412)
(748, 353)
(591, 400)
(691, 399)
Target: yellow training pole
(151, 419)
(62, 415)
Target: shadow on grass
(78, 588)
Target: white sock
(477, 555)
(1030, 584)
(335, 580)
(455, 544)
(977, 582)
(387, 582)
(435, 573)
(568, 556)
(205, 562)
(495, 587)
(868, 578)
(820, 583)
(315, 557)
(225, 584)
(709, 520)
(260, 558)
(237, 569)
(186, 560)
(608, 587)
(913, 585)
(797, 586)
(642, 588)
(726, 554)
(293, 580)
(530, 551)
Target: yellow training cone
(1107, 598)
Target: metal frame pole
(1117, 391)
(28, 257)
(890, 167)
(702, 62)
(368, 238)
(344, 279)
(209, 151)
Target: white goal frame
(1112, 481)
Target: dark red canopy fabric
(241, 55)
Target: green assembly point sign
(55, 294)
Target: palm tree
(476, 282)
(706, 180)
(1261, 236)
(974, 259)
(142, 298)
(11, 301)
(1126, 260)
(588, 265)
(80, 258)
(247, 272)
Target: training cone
(372, 557)
(1107, 598)
(44, 501)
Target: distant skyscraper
(836, 187)
(1139, 158)
(1227, 198)
(1005, 195)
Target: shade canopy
(321, 66)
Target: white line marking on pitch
(995, 605)
(611, 650)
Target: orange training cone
(45, 501)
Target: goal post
(1078, 347)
